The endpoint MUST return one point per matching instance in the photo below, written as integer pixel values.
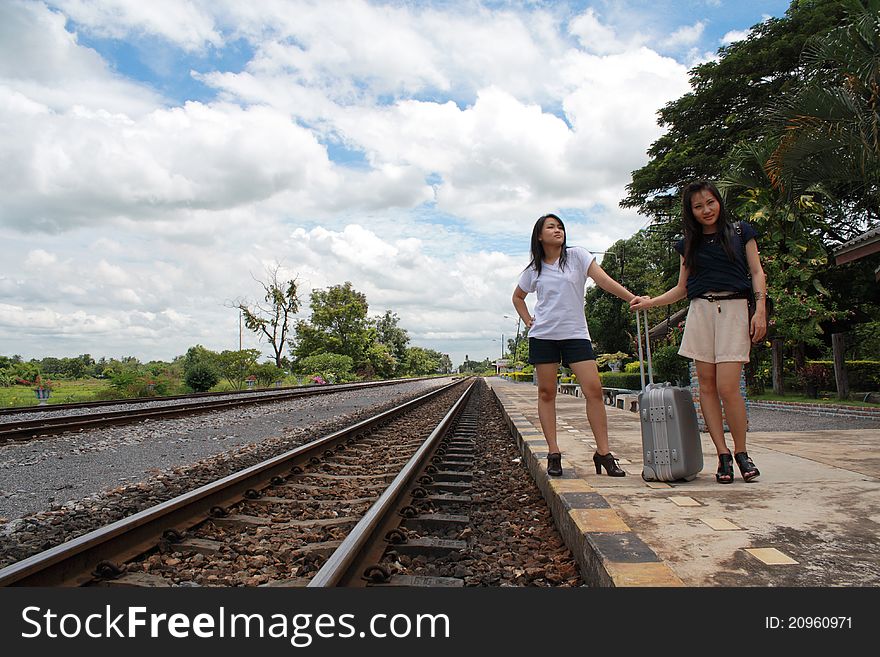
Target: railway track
(282, 496)
(14, 429)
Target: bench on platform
(610, 394)
(628, 402)
(570, 389)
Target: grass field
(63, 392)
(84, 390)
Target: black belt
(713, 298)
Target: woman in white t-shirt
(558, 333)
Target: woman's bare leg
(727, 380)
(588, 376)
(547, 402)
(710, 403)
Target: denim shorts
(555, 351)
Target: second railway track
(12, 428)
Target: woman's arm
(758, 326)
(670, 296)
(519, 302)
(607, 283)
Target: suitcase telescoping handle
(647, 346)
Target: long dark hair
(693, 229)
(538, 245)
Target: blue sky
(167, 153)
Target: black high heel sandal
(746, 466)
(725, 469)
(609, 463)
(554, 464)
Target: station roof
(859, 247)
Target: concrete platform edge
(583, 533)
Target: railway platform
(811, 520)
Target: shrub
(335, 367)
(268, 373)
(862, 375)
(669, 366)
(201, 377)
(630, 381)
(815, 375)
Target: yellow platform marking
(771, 556)
(570, 486)
(642, 574)
(683, 500)
(720, 524)
(598, 520)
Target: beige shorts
(717, 337)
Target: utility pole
(239, 329)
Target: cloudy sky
(158, 156)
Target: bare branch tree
(270, 318)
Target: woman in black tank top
(712, 272)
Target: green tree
(52, 366)
(729, 102)
(199, 354)
(476, 366)
(202, 376)
(27, 371)
(792, 251)
(421, 361)
(395, 339)
(338, 324)
(380, 363)
(270, 318)
(236, 366)
(645, 263)
(79, 367)
(829, 129)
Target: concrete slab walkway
(811, 519)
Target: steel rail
(61, 424)
(74, 562)
(364, 545)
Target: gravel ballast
(45, 474)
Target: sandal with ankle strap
(746, 466)
(725, 469)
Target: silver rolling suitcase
(671, 443)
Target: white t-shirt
(559, 313)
